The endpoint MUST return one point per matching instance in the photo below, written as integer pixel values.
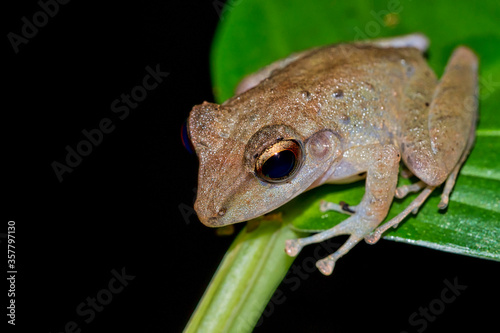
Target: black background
(119, 209)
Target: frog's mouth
(244, 196)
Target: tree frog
(336, 114)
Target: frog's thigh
(254, 79)
(434, 142)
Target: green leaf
(254, 33)
(251, 270)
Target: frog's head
(250, 167)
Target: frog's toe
(325, 266)
(341, 207)
(293, 247)
(355, 226)
(445, 199)
(404, 190)
(374, 237)
(394, 222)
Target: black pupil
(279, 165)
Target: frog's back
(355, 89)
(359, 89)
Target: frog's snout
(210, 217)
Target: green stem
(245, 281)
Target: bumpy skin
(356, 109)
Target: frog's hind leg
(450, 182)
(254, 79)
(416, 40)
(437, 138)
(406, 173)
(436, 149)
(394, 222)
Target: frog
(337, 114)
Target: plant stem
(246, 279)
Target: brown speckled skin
(375, 106)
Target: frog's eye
(279, 162)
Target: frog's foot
(394, 222)
(341, 207)
(452, 177)
(355, 226)
(381, 169)
(327, 264)
(450, 183)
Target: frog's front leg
(381, 164)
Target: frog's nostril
(212, 221)
(215, 220)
